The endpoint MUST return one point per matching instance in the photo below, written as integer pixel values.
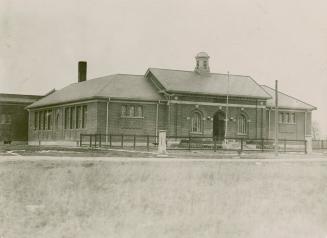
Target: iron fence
(150, 143)
(319, 144)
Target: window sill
(131, 117)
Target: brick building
(14, 117)
(183, 103)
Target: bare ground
(144, 197)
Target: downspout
(107, 121)
(269, 120)
(305, 124)
(157, 119)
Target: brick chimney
(82, 69)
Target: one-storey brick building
(14, 117)
(184, 103)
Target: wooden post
(100, 141)
(241, 144)
(80, 140)
(189, 143)
(134, 142)
(284, 145)
(110, 141)
(90, 140)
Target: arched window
(196, 122)
(241, 123)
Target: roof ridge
(291, 96)
(190, 71)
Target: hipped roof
(114, 86)
(286, 101)
(208, 84)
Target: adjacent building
(184, 103)
(14, 117)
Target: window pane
(139, 111)
(84, 121)
(123, 110)
(241, 124)
(131, 111)
(286, 118)
(72, 117)
(196, 122)
(36, 120)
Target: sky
(41, 42)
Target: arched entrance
(219, 125)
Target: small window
(241, 123)
(281, 117)
(286, 118)
(196, 122)
(140, 111)
(205, 64)
(131, 111)
(124, 111)
(5, 119)
(292, 118)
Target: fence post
(305, 147)
(261, 144)
(241, 144)
(284, 145)
(80, 140)
(90, 140)
(162, 142)
(134, 142)
(147, 143)
(110, 141)
(100, 141)
(95, 140)
(215, 144)
(122, 141)
(189, 143)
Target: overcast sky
(41, 41)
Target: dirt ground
(162, 197)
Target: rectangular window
(40, 121)
(292, 119)
(5, 119)
(67, 117)
(72, 118)
(78, 117)
(281, 117)
(36, 120)
(124, 111)
(49, 119)
(286, 118)
(84, 117)
(131, 111)
(140, 111)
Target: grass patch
(162, 198)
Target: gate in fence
(150, 143)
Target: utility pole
(276, 118)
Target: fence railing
(319, 144)
(150, 143)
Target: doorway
(219, 125)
